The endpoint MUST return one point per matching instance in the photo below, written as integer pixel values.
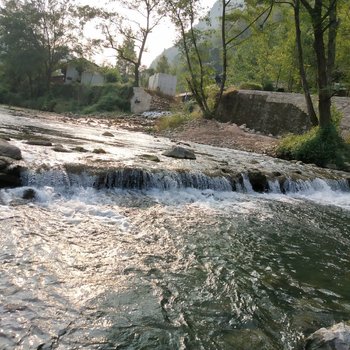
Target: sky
(160, 39)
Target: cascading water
(167, 259)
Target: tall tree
(163, 65)
(193, 46)
(143, 17)
(323, 15)
(37, 33)
(126, 58)
(301, 63)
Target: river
(170, 267)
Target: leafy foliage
(36, 35)
(176, 120)
(250, 86)
(321, 146)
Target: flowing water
(169, 266)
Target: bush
(268, 86)
(174, 121)
(319, 146)
(3, 94)
(250, 86)
(212, 92)
(108, 98)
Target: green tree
(21, 53)
(143, 17)
(126, 57)
(323, 15)
(36, 35)
(194, 47)
(163, 65)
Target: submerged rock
(180, 152)
(150, 157)
(99, 151)
(39, 143)
(29, 194)
(333, 338)
(107, 133)
(60, 148)
(79, 149)
(8, 150)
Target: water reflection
(177, 270)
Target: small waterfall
(274, 186)
(315, 185)
(126, 178)
(296, 186)
(243, 185)
(142, 179)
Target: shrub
(250, 86)
(175, 120)
(212, 92)
(319, 146)
(3, 94)
(268, 86)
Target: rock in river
(333, 338)
(9, 170)
(39, 143)
(8, 150)
(180, 152)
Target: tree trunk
(224, 57)
(304, 83)
(136, 76)
(324, 89)
(332, 34)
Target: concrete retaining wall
(262, 112)
(275, 113)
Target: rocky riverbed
(99, 147)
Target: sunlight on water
(171, 269)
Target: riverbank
(207, 132)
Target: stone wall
(140, 101)
(263, 112)
(143, 101)
(275, 112)
(164, 83)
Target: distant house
(84, 72)
(164, 83)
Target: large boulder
(10, 151)
(333, 338)
(180, 152)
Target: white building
(163, 83)
(87, 77)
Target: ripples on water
(182, 269)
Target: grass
(176, 120)
(323, 147)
